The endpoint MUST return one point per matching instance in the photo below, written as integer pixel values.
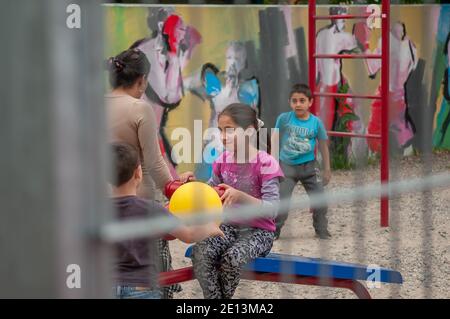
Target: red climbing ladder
(384, 94)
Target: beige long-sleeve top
(133, 121)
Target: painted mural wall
(206, 57)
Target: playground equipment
(384, 94)
(172, 186)
(312, 56)
(285, 268)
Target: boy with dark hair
(137, 259)
(298, 131)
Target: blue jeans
(127, 292)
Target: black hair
(403, 25)
(156, 15)
(127, 67)
(301, 88)
(404, 30)
(125, 161)
(244, 116)
(446, 44)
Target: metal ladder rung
(347, 56)
(349, 16)
(344, 95)
(348, 134)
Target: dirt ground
(421, 254)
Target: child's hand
(215, 230)
(211, 230)
(326, 177)
(186, 177)
(230, 196)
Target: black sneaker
(325, 234)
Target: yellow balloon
(194, 197)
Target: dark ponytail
(244, 116)
(127, 67)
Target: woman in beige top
(131, 120)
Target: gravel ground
(358, 237)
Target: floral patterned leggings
(217, 261)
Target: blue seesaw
(301, 270)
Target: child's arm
(192, 234)
(188, 234)
(270, 195)
(323, 148)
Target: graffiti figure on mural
(403, 61)
(168, 49)
(222, 88)
(343, 113)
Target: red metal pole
(385, 32)
(312, 50)
(176, 276)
